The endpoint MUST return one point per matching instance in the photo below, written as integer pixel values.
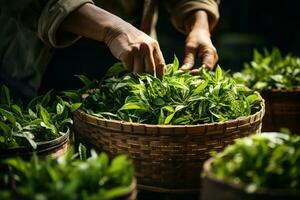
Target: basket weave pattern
(54, 148)
(282, 110)
(165, 156)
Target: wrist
(197, 21)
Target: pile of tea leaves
(270, 70)
(268, 160)
(177, 98)
(67, 177)
(41, 120)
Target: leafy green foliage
(67, 178)
(269, 160)
(179, 98)
(39, 121)
(270, 70)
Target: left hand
(198, 42)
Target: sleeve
(44, 17)
(180, 10)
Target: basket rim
(295, 89)
(43, 145)
(129, 190)
(168, 190)
(263, 191)
(259, 114)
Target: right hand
(137, 51)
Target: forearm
(90, 21)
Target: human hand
(198, 43)
(138, 52)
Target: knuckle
(154, 43)
(190, 45)
(134, 50)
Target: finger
(189, 57)
(209, 57)
(159, 62)
(147, 51)
(138, 66)
(127, 60)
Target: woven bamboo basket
(282, 110)
(214, 188)
(53, 148)
(166, 158)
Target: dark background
(244, 25)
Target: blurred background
(243, 26)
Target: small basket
(214, 188)
(167, 158)
(54, 148)
(282, 110)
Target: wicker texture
(166, 158)
(53, 148)
(282, 110)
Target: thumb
(189, 58)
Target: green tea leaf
(44, 114)
(133, 106)
(72, 94)
(5, 128)
(9, 115)
(5, 95)
(219, 74)
(175, 64)
(75, 106)
(200, 87)
(16, 109)
(82, 152)
(59, 109)
(115, 70)
(254, 98)
(169, 118)
(85, 80)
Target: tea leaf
(75, 106)
(85, 80)
(6, 129)
(5, 95)
(169, 118)
(201, 87)
(175, 64)
(115, 70)
(82, 152)
(219, 75)
(133, 106)
(10, 117)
